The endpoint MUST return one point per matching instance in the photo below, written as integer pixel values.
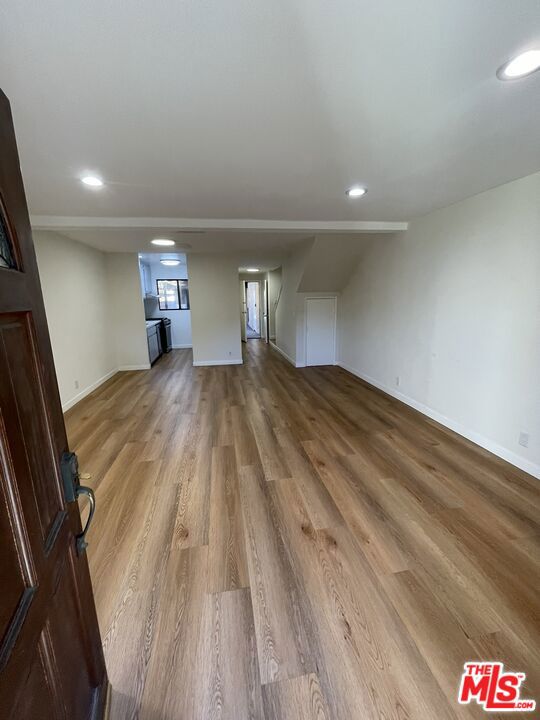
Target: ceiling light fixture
(162, 242)
(356, 191)
(170, 263)
(92, 181)
(252, 270)
(522, 65)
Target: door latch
(69, 467)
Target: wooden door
(51, 660)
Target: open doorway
(253, 320)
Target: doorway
(253, 320)
(320, 330)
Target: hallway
(272, 542)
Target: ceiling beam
(59, 222)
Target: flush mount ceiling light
(92, 181)
(170, 263)
(522, 65)
(252, 270)
(162, 242)
(356, 191)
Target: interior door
(266, 313)
(51, 660)
(243, 310)
(320, 331)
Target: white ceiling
(267, 109)
(265, 250)
(155, 258)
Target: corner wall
(215, 317)
(452, 309)
(94, 312)
(75, 291)
(274, 289)
(287, 307)
(127, 311)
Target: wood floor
(271, 542)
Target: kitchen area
(165, 293)
(158, 332)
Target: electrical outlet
(398, 380)
(76, 384)
(524, 439)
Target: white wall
(287, 321)
(75, 291)
(274, 288)
(301, 323)
(452, 307)
(180, 319)
(126, 311)
(215, 320)
(290, 312)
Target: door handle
(81, 537)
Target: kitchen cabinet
(146, 279)
(154, 341)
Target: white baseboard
(493, 447)
(229, 361)
(125, 368)
(181, 347)
(83, 393)
(282, 352)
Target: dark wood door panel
(37, 700)
(28, 432)
(51, 660)
(15, 581)
(75, 683)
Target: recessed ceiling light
(92, 181)
(170, 263)
(356, 191)
(252, 270)
(162, 241)
(520, 66)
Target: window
(173, 294)
(7, 255)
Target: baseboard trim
(282, 352)
(205, 363)
(126, 368)
(181, 347)
(478, 439)
(94, 386)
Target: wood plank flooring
(275, 543)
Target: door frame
(334, 344)
(266, 313)
(259, 309)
